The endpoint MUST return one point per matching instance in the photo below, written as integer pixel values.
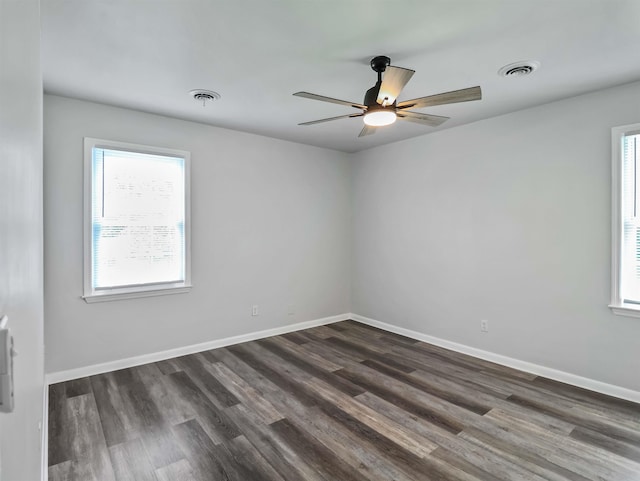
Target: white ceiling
(147, 55)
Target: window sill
(627, 310)
(116, 296)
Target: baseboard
(60, 376)
(556, 375)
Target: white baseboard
(562, 376)
(555, 374)
(60, 376)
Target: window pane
(138, 217)
(630, 217)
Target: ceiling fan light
(379, 118)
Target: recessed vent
(204, 96)
(519, 69)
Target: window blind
(630, 268)
(138, 219)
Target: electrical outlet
(254, 310)
(484, 325)
(291, 310)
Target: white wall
(507, 219)
(21, 295)
(270, 226)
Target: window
(136, 230)
(625, 279)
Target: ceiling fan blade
(367, 130)
(393, 81)
(419, 118)
(463, 95)
(322, 98)
(331, 118)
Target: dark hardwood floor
(344, 402)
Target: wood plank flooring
(344, 402)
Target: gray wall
(21, 231)
(508, 220)
(270, 226)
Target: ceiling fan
(380, 106)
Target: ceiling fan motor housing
(371, 97)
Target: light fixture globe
(380, 117)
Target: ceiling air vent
(204, 96)
(519, 69)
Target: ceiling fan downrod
(378, 64)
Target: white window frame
(144, 290)
(618, 306)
